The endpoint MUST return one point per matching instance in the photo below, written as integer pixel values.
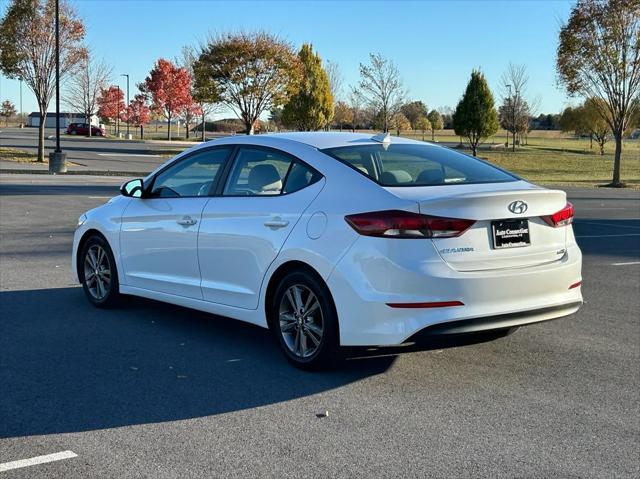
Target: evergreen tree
(476, 117)
(311, 106)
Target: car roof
(324, 139)
(314, 139)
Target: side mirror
(132, 188)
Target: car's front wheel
(305, 322)
(98, 274)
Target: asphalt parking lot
(152, 390)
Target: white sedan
(336, 239)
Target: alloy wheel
(97, 272)
(301, 321)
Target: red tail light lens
(404, 224)
(564, 217)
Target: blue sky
(435, 44)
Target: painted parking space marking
(628, 263)
(608, 224)
(57, 456)
(130, 154)
(608, 236)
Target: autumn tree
(138, 113)
(355, 103)
(169, 88)
(399, 122)
(204, 92)
(111, 104)
(27, 49)
(413, 111)
(335, 82)
(310, 108)
(85, 85)
(475, 117)
(381, 86)
(594, 122)
(342, 115)
(251, 72)
(7, 110)
(423, 124)
(599, 57)
(436, 123)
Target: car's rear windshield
(417, 165)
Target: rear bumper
(365, 281)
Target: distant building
(66, 119)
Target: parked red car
(83, 129)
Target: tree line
(259, 73)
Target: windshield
(417, 165)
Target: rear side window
(417, 165)
(262, 172)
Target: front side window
(262, 172)
(194, 176)
(417, 165)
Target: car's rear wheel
(98, 274)
(305, 322)
(72, 132)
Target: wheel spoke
(100, 289)
(296, 344)
(303, 343)
(312, 335)
(291, 300)
(297, 296)
(91, 257)
(315, 305)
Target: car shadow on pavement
(66, 366)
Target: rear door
(159, 233)
(244, 228)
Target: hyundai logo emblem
(518, 207)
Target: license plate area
(513, 233)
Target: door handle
(276, 223)
(187, 221)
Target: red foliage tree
(170, 89)
(138, 113)
(111, 104)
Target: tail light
(564, 217)
(404, 224)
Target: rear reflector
(575, 285)
(437, 304)
(564, 217)
(405, 224)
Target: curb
(134, 174)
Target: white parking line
(607, 236)
(625, 264)
(57, 456)
(129, 154)
(583, 222)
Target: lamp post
(126, 75)
(513, 143)
(508, 108)
(57, 159)
(118, 111)
(21, 112)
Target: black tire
(109, 295)
(326, 353)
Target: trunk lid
(475, 250)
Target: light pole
(508, 108)
(513, 143)
(21, 112)
(126, 75)
(118, 111)
(57, 159)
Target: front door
(159, 233)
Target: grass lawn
(20, 156)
